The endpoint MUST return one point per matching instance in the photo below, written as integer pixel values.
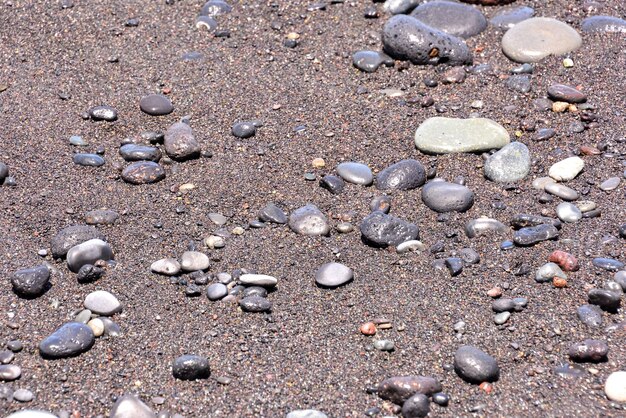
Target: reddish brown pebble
(587, 150)
(559, 282)
(566, 261)
(495, 292)
(486, 387)
(368, 328)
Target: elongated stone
(482, 226)
(534, 234)
(439, 135)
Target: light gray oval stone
(508, 18)
(610, 184)
(356, 173)
(455, 19)
(566, 169)
(166, 266)
(102, 302)
(258, 280)
(482, 226)
(130, 406)
(31, 413)
(216, 291)
(88, 253)
(333, 275)
(568, 212)
(510, 164)
(440, 135)
(306, 413)
(562, 191)
(442, 197)
(194, 260)
(606, 24)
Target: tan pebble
(318, 163)
(293, 35)
(559, 282)
(494, 292)
(97, 326)
(559, 107)
(368, 328)
(238, 230)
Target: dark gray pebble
(508, 18)
(89, 273)
(454, 265)
(333, 184)
(255, 304)
(244, 129)
(403, 175)
(134, 152)
(156, 105)
(608, 264)
(416, 406)
(272, 213)
(31, 282)
(475, 366)
(590, 315)
(519, 83)
(101, 217)
(69, 340)
(106, 113)
(143, 172)
(72, 236)
(605, 299)
(255, 291)
(593, 351)
(442, 196)
(216, 291)
(88, 160)
(381, 230)
(369, 61)
(381, 203)
(544, 134)
(524, 220)
(399, 389)
(191, 367)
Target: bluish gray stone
(406, 38)
(475, 366)
(215, 8)
(607, 24)
(369, 61)
(88, 160)
(403, 175)
(381, 230)
(156, 105)
(508, 18)
(608, 264)
(356, 173)
(309, 220)
(520, 83)
(243, 129)
(255, 304)
(482, 226)
(417, 406)
(272, 213)
(31, 282)
(135, 152)
(73, 338)
(442, 196)
(534, 234)
(455, 19)
(590, 315)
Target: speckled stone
(606, 24)
(510, 164)
(309, 220)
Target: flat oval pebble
(398, 389)
(590, 315)
(562, 191)
(410, 246)
(381, 230)
(333, 275)
(608, 264)
(156, 105)
(31, 282)
(101, 217)
(258, 280)
(563, 93)
(356, 173)
(69, 340)
(403, 175)
(610, 184)
(216, 291)
(475, 366)
(272, 213)
(396, 7)
(333, 184)
(452, 18)
(143, 172)
(243, 129)
(309, 220)
(508, 18)
(509, 164)
(523, 220)
(534, 234)
(255, 304)
(23, 395)
(440, 135)
(606, 24)
(102, 302)
(442, 197)
(406, 38)
(534, 39)
(106, 113)
(588, 351)
(135, 152)
(88, 252)
(566, 169)
(191, 367)
(166, 266)
(193, 261)
(180, 143)
(482, 226)
(88, 160)
(130, 406)
(540, 183)
(615, 386)
(369, 61)
(567, 212)
(9, 372)
(97, 327)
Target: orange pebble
(486, 387)
(559, 282)
(368, 328)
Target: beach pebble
(610, 184)
(333, 275)
(191, 367)
(31, 413)
(88, 252)
(156, 105)
(534, 39)
(101, 217)
(508, 18)
(180, 143)
(442, 196)
(356, 173)
(369, 61)
(406, 38)
(309, 220)
(215, 8)
(243, 129)
(88, 160)
(216, 291)
(590, 315)
(31, 282)
(255, 304)
(399, 389)
(562, 191)
(452, 18)
(563, 93)
(403, 175)
(23, 395)
(549, 271)
(509, 164)
(396, 7)
(333, 184)
(439, 135)
(258, 280)
(588, 351)
(143, 172)
(609, 264)
(566, 169)
(482, 226)
(568, 212)
(475, 366)
(128, 406)
(106, 113)
(272, 213)
(306, 413)
(166, 266)
(606, 24)
(381, 230)
(136, 152)
(69, 340)
(615, 386)
(9, 372)
(410, 246)
(605, 299)
(194, 261)
(102, 302)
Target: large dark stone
(381, 230)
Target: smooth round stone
(534, 39)
(563, 93)
(369, 61)
(535, 234)
(9, 372)
(452, 18)
(88, 253)
(566, 169)
(180, 143)
(31, 282)
(610, 184)
(384, 345)
(70, 340)
(607, 24)
(540, 183)
(398, 389)
(272, 213)
(568, 212)
(482, 226)
(194, 261)
(410, 246)
(97, 327)
(562, 191)
(549, 271)
(31, 413)
(416, 406)
(106, 113)
(395, 7)
(83, 316)
(130, 406)
(608, 264)
(441, 399)
(403, 175)
(509, 164)
(156, 105)
(590, 315)
(101, 217)
(202, 22)
(215, 8)
(442, 197)
(454, 265)
(78, 141)
(191, 367)
(605, 299)
(255, 304)
(6, 357)
(244, 129)
(23, 395)
(333, 184)
(450, 135)
(333, 275)
(258, 280)
(501, 318)
(72, 236)
(345, 227)
(356, 173)
(508, 18)
(214, 241)
(88, 160)
(475, 366)
(381, 230)
(309, 220)
(218, 219)
(586, 205)
(102, 302)
(615, 386)
(503, 305)
(135, 152)
(592, 351)
(143, 172)
(406, 38)
(306, 413)
(469, 256)
(166, 266)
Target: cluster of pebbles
(429, 33)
